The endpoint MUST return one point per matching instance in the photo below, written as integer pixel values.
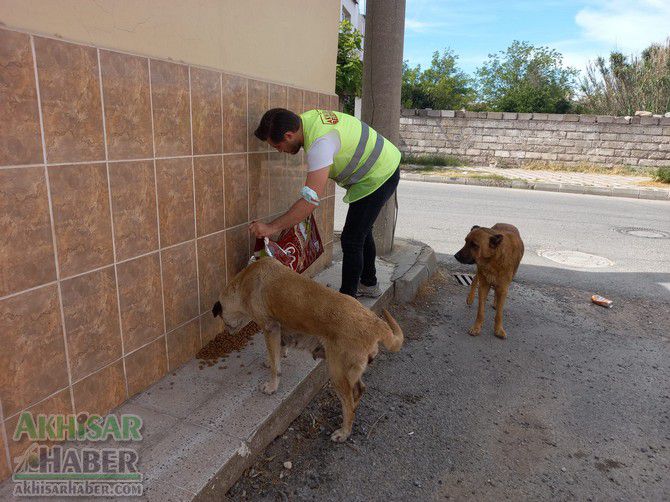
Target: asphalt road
(441, 215)
(573, 405)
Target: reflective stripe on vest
(367, 165)
(360, 149)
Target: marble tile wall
(126, 188)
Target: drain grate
(464, 279)
(647, 233)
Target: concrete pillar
(382, 80)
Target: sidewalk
(204, 425)
(550, 181)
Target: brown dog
(497, 251)
(286, 304)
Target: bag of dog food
(296, 247)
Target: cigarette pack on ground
(602, 301)
(296, 247)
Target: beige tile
(101, 392)
(234, 90)
(281, 190)
(211, 269)
(258, 105)
(311, 100)
(295, 100)
(91, 321)
(171, 109)
(58, 404)
(5, 470)
(141, 301)
(20, 137)
(206, 111)
(26, 247)
(183, 343)
(175, 200)
(127, 99)
(237, 250)
(32, 359)
(180, 284)
(80, 200)
(236, 183)
(133, 208)
(146, 366)
(324, 101)
(277, 96)
(70, 94)
(259, 186)
(209, 203)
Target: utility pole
(382, 81)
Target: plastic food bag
(297, 247)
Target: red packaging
(296, 247)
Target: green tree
(349, 72)
(525, 78)
(442, 86)
(622, 85)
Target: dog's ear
(217, 309)
(474, 227)
(495, 240)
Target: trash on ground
(602, 301)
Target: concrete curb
(633, 193)
(402, 288)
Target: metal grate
(464, 279)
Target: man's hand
(260, 229)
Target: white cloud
(420, 26)
(626, 25)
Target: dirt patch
(607, 465)
(224, 343)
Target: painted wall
(288, 41)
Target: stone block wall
(515, 139)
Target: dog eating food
(288, 305)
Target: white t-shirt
(323, 151)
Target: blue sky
(579, 29)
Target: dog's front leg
(473, 288)
(501, 296)
(272, 333)
(484, 287)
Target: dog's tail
(393, 339)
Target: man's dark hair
(275, 123)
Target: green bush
(662, 174)
(432, 160)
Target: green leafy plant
(622, 85)
(525, 78)
(349, 72)
(662, 175)
(442, 86)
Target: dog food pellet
(224, 343)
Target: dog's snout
(463, 257)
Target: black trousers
(358, 244)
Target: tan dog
(284, 303)
(497, 251)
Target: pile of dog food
(224, 343)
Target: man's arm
(301, 209)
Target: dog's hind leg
(473, 289)
(501, 296)
(483, 293)
(359, 389)
(342, 379)
(272, 333)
